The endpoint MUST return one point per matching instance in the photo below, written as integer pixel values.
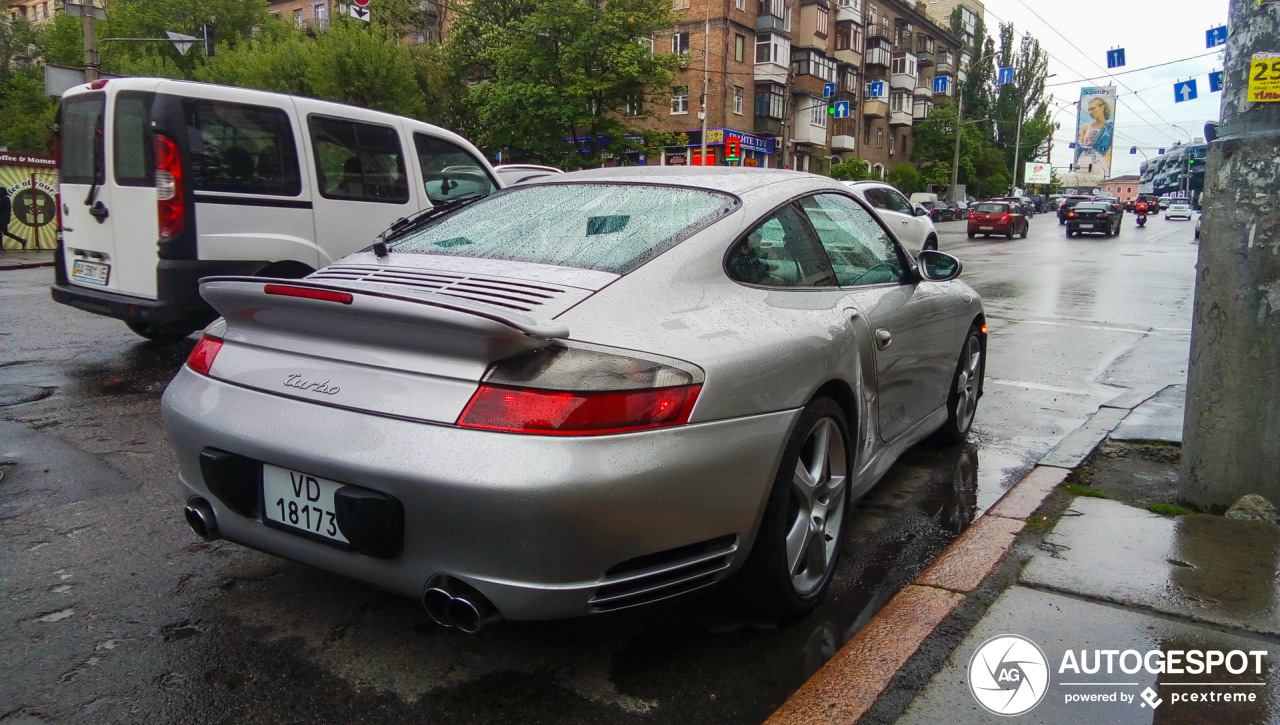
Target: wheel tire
(160, 333)
(791, 562)
(1009, 235)
(966, 389)
(1025, 231)
(931, 243)
(972, 235)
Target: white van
(164, 182)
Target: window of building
(904, 64)
(679, 99)
(635, 105)
(900, 101)
(866, 132)
(241, 149)
(646, 43)
(824, 16)
(818, 112)
(769, 101)
(786, 20)
(776, 8)
(812, 62)
(842, 35)
(855, 38)
(737, 100)
(902, 144)
(680, 43)
(679, 4)
(320, 15)
(879, 138)
(297, 17)
(739, 46)
(741, 4)
(358, 161)
(772, 48)
(849, 79)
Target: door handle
(883, 338)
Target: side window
(861, 252)
(897, 202)
(780, 252)
(448, 171)
(878, 198)
(358, 161)
(241, 149)
(132, 140)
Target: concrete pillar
(1232, 430)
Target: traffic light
(732, 151)
(208, 39)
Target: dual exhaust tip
(449, 601)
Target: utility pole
(955, 156)
(1231, 433)
(1017, 143)
(90, 14)
(706, 60)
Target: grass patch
(1076, 489)
(1040, 525)
(1170, 509)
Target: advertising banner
(32, 187)
(1037, 172)
(1095, 133)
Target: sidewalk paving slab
(1079, 444)
(1156, 419)
(25, 258)
(1057, 623)
(1204, 568)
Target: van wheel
(161, 333)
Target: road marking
(1040, 386)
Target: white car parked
(909, 222)
(1178, 210)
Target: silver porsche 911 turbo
(581, 394)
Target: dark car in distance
(1068, 204)
(998, 217)
(939, 211)
(1093, 217)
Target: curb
(25, 265)
(851, 682)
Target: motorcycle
(1142, 219)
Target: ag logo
(1008, 675)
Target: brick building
(1124, 188)
(769, 64)
(37, 11)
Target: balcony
(944, 66)
(924, 88)
(924, 58)
(772, 73)
(843, 143)
(902, 82)
(768, 126)
(806, 132)
(852, 57)
(878, 31)
(845, 12)
(900, 118)
(875, 108)
(877, 57)
(769, 23)
(921, 110)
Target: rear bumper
(538, 524)
(177, 302)
(1004, 228)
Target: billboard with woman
(1095, 135)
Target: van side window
(358, 161)
(134, 146)
(448, 172)
(241, 149)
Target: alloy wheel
(967, 383)
(817, 507)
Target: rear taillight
(973, 215)
(1105, 214)
(1071, 213)
(579, 390)
(202, 355)
(1006, 217)
(169, 197)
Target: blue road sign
(1071, 145)
(1161, 152)
(1215, 81)
(941, 83)
(876, 89)
(1115, 58)
(1214, 37)
(1133, 149)
(1005, 76)
(828, 90)
(1184, 91)
(842, 109)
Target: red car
(998, 217)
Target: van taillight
(169, 202)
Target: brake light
(288, 290)
(98, 84)
(202, 355)
(1105, 214)
(1071, 213)
(1006, 217)
(973, 215)
(169, 197)
(545, 412)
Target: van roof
(197, 89)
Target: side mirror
(920, 210)
(938, 266)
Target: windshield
(605, 227)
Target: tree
(534, 75)
(26, 113)
(977, 89)
(1023, 100)
(234, 22)
(851, 170)
(934, 141)
(905, 177)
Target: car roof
(734, 180)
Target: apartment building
(36, 11)
(317, 14)
(770, 65)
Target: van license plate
(300, 503)
(90, 272)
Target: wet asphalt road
(112, 611)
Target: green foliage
(1076, 489)
(850, 170)
(26, 113)
(1170, 509)
(935, 142)
(905, 177)
(542, 71)
(233, 21)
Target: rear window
(131, 139)
(992, 208)
(1091, 206)
(605, 227)
(80, 132)
(241, 149)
